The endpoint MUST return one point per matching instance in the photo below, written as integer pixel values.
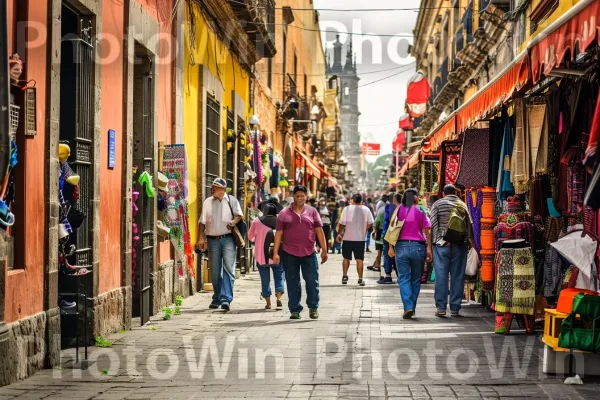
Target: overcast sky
(380, 103)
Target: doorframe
(142, 28)
(93, 9)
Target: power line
(361, 74)
(352, 9)
(376, 81)
(344, 33)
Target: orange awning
(577, 28)
(403, 170)
(492, 95)
(445, 131)
(414, 159)
(311, 167)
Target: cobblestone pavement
(360, 348)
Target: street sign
(371, 149)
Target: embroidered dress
(515, 288)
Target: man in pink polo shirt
(298, 227)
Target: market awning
(324, 174)
(570, 34)
(403, 170)
(414, 159)
(446, 131)
(311, 167)
(492, 95)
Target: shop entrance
(76, 182)
(143, 161)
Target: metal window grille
(213, 142)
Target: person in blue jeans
(262, 233)
(389, 263)
(411, 250)
(298, 228)
(220, 213)
(449, 260)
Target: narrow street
(360, 347)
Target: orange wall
(25, 284)
(111, 117)
(165, 96)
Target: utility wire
(351, 9)
(361, 74)
(376, 81)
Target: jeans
(410, 259)
(450, 259)
(265, 279)
(310, 272)
(389, 264)
(368, 239)
(221, 260)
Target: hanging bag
(395, 228)
(472, 262)
(239, 230)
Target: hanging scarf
(505, 187)
(475, 211)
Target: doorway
(76, 182)
(143, 163)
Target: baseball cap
(300, 188)
(220, 182)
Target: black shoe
(344, 280)
(214, 306)
(385, 281)
(408, 314)
(225, 306)
(361, 282)
(367, 250)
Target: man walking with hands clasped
(298, 228)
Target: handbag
(239, 230)
(472, 262)
(395, 228)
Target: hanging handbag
(239, 230)
(75, 217)
(395, 228)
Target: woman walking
(262, 233)
(411, 250)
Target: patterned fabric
(515, 288)
(450, 160)
(175, 215)
(536, 115)
(519, 168)
(521, 230)
(505, 187)
(474, 160)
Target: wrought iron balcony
(258, 19)
(441, 79)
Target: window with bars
(213, 143)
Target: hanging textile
(474, 159)
(475, 211)
(519, 171)
(496, 136)
(515, 287)
(536, 116)
(505, 187)
(450, 160)
(418, 94)
(176, 213)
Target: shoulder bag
(395, 228)
(239, 230)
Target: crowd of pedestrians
(409, 233)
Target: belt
(218, 237)
(424, 243)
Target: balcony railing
(258, 19)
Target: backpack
(457, 226)
(269, 245)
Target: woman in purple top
(262, 233)
(411, 250)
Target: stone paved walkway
(360, 348)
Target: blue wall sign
(111, 148)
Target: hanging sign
(371, 149)
(111, 149)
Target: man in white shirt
(356, 220)
(220, 213)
